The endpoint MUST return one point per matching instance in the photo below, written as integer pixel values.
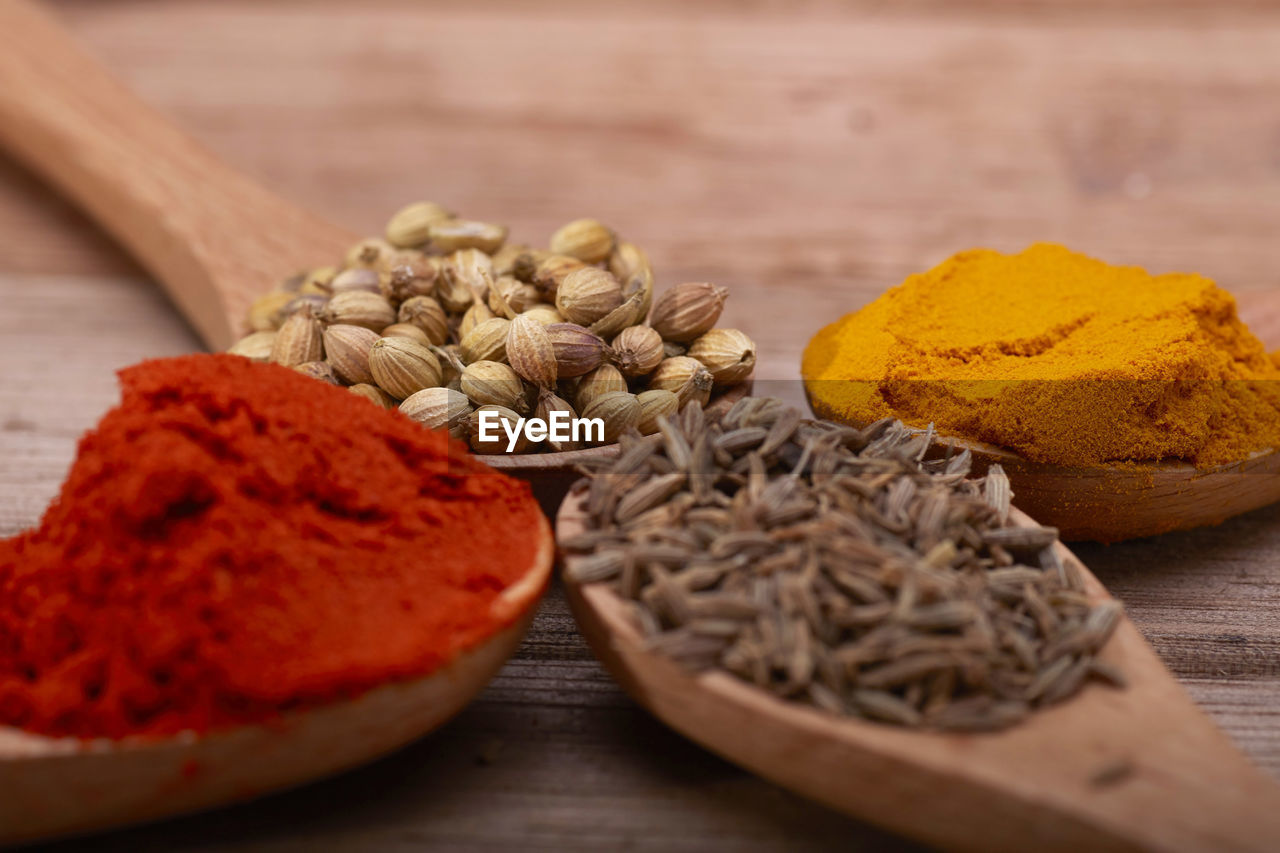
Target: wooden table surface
(807, 156)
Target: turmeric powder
(1057, 356)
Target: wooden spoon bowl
(1110, 769)
(1108, 503)
(551, 475)
(1113, 502)
(60, 786)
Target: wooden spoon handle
(213, 237)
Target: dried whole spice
(618, 410)
(264, 313)
(544, 314)
(728, 355)
(471, 268)
(454, 293)
(356, 278)
(299, 340)
(346, 348)
(425, 313)
(407, 330)
(455, 289)
(602, 380)
(687, 377)
(369, 252)
(509, 295)
(255, 346)
(410, 227)
(318, 281)
(320, 370)
(654, 404)
(203, 564)
(439, 408)
(550, 271)
(402, 367)
(451, 364)
(506, 259)
(587, 295)
(835, 567)
(409, 277)
(359, 308)
(473, 316)
(588, 240)
(313, 302)
(630, 266)
(688, 310)
(548, 405)
(577, 351)
(637, 350)
(491, 383)
(629, 313)
(373, 394)
(450, 235)
(530, 353)
(487, 341)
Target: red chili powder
(236, 540)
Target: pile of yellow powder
(1058, 356)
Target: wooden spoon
(1114, 502)
(214, 238)
(1138, 768)
(54, 786)
(1108, 503)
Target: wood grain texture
(214, 238)
(806, 155)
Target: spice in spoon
(835, 567)
(1060, 357)
(440, 292)
(235, 541)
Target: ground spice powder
(237, 540)
(1058, 356)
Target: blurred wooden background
(807, 155)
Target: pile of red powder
(236, 540)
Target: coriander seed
(439, 408)
(492, 383)
(585, 239)
(410, 226)
(530, 352)
(588, 294)
(486, 342)
(728, 354)
(619, 410)
(256, 346)
(346, 348)
(637, 350)
(402, 367)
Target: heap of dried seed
(837, 567)
(443, 302)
